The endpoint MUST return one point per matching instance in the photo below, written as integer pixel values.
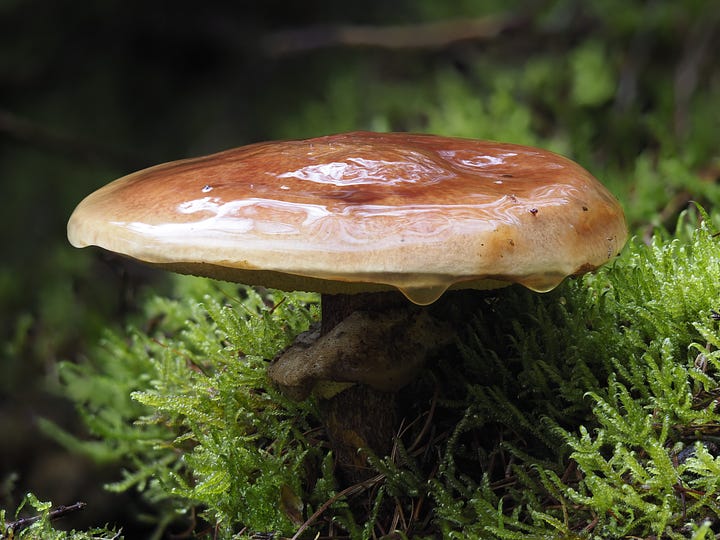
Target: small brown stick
(355, 488)
(24, 523)
(428, 421)
(398, 517)
(590, 526)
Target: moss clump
(186, 406)
(600, 401)
(589, 412)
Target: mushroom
(354, 216)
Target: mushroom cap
(362, 212)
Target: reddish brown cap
(362, 211)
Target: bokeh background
(90, 91)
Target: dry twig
(32, 133)
(23, 523)
(355, 488)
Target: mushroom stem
(347, 415)
(357, 420)
(336, 307)
(368, 347)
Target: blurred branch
(29, 132)
(431, 35)
(697, 46)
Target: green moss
(587, 412)
(186, 406)
(633, 363)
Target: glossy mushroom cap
(362, 212)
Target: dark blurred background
(90, 91)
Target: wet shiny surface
(416, 212)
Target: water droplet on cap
(542, 283)
(423, 296)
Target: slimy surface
(420, 213)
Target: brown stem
(356, 421)
(359, 417)
(368, 347)
(337, 307)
